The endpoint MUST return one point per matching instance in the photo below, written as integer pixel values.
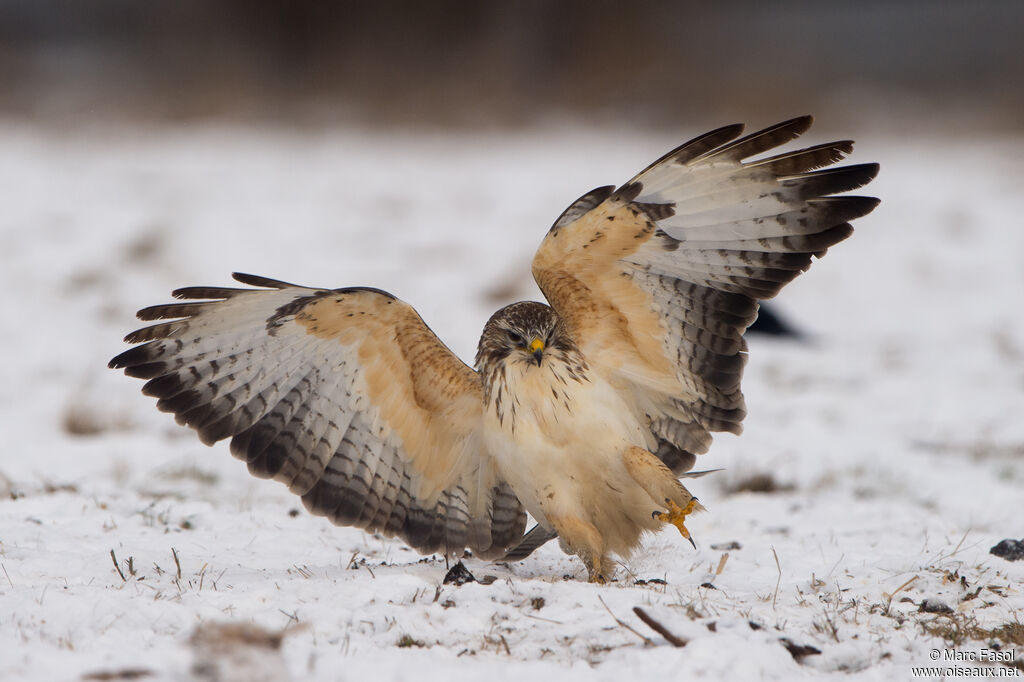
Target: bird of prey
(584, 411)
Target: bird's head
(522, 333)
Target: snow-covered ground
(893, 439)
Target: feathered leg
(581, 538)
(664, 488)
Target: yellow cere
(536, 345)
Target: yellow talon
(677, 515)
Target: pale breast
(558, 441)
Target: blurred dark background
(507, 63)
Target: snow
(895, 436)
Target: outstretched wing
(343, 395)
(658, 279)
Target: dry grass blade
(647, 641)
(778, 582)
(721, 564)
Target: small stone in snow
(798, 651)
(459, 575)
(650, 581)
(1009, 549)
(934, 606)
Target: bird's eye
(515, 338)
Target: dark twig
(659, 628)
(113, 557)
(176, 562)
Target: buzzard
(584, 411)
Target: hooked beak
(537, 350)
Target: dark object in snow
(406, 641)
(459, 575)
(237, 652)
(727, 546)
(759, 482)
(768, 322)
(934, 606)
(123, 674)
(1011, 550)
(659, 628)
(650, 581)
(798, 651)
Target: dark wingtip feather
(147, 370)
(215, 293)
(168, 311)
(165, 386)
(703, 144)
(794, 127)
(153, 312)
(804, 160)
(846, 208)
(258, 281)
(699, 145)
(870, 171)
(133, 356)
(832, 180)
(138, 336)
(157, 331)
(762, 140)
(223, 428)
(180, 403)
(208, 436)
(807, 120)
(831, 237)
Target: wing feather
(758, 142)
(658, 281)
(343, 395)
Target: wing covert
(345, 396)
